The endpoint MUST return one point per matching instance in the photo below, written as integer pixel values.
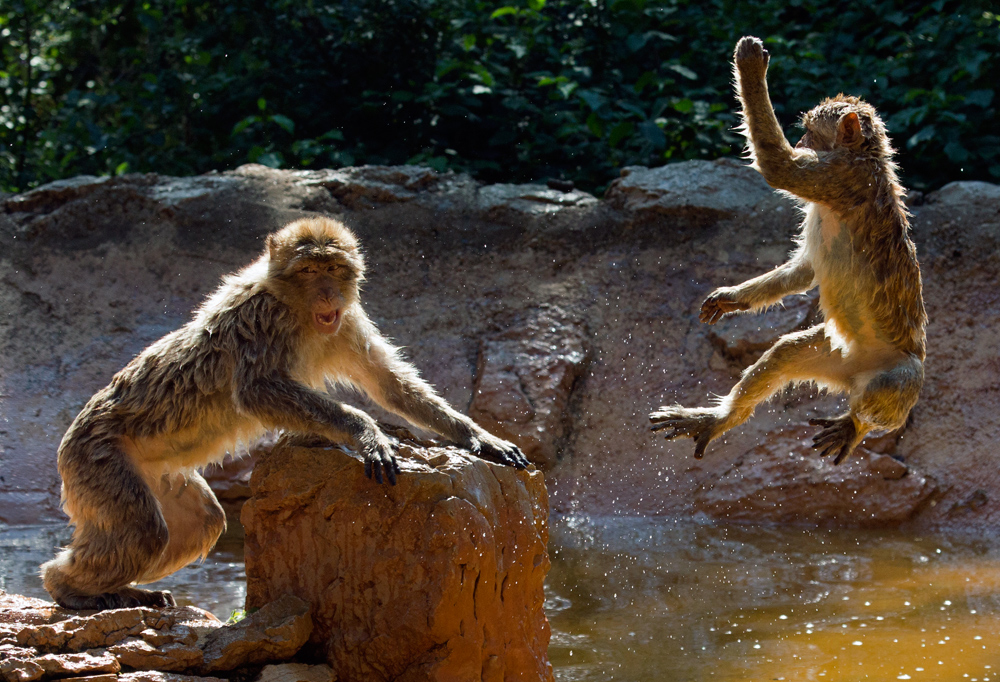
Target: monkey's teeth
(328, 319)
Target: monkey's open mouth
(327, 323)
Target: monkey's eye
(308, 270)
(335, 269)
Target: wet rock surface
(524, 379)
(92, 270)
(439, 577)
(784, 481)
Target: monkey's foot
(838, 437)
(125, 598)
(699, 423)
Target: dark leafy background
(529, 90)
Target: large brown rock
(437, 578)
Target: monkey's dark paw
(499, 451)
(381, 459)
(750, 53)
(127, 598)
(700, 423)
(838, 437)
(718, 304)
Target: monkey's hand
(488, 446)
(720, 303)
(380, 455)
(751, 58)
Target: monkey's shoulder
(202, 357)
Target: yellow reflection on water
(659, 600)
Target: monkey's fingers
(827, 449)
(826, 423)
(519, 460)
(844, 452)
(710, 313)
(391, 468)
(750, 50)
(373, 470)
(502, 452)
(700, 443)
(828, 435)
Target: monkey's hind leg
(195, 520)
(880, 400)
(797, 356)
(119, 532)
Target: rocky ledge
(40, 641)
(556, 319)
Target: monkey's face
(817, 139)
(315, 268)
(326, 288)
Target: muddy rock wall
(554, 318)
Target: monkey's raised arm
(796, 170)
(793, 277)
(395, 385)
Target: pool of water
(659, 599)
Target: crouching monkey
(854, 245)
(255, 357)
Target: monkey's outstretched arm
(281, 402)
(395, 385)
(795, 170)
(793, 277)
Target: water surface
(656, 599)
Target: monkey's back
(173, 404)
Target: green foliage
(510, 90)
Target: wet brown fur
(256, 356)
(855, 246)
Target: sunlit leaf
(285, 122)
(683, 70)
(684, 106)
(503, 11)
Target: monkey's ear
(849, 130)
(269, 244)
